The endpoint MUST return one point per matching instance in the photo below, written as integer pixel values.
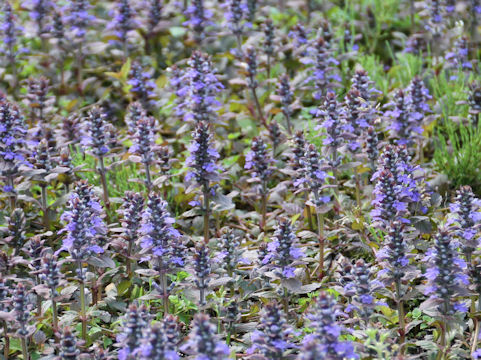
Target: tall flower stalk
(96, 138)
(259, 164)
(161, 243)
(314, 177)
(205, 171)
(84, 226)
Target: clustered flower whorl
(198, 19)
(314, 174)
(160, 239)
(78, 17)
(272, 338)
(130, 337)
(68, 345)
(258, 161)
(123, 20)
(143, 87)
(12, 138)
(331, 115)
(131, 212)
(283, 250)
(466, 219)
(445, 274)
(84, 224)
(237, 12)
(394, 253)
(203, 342)
(203, 157)
(96, 132)
(198, 87)
(202, 268)
(395, 185)
(325, 341)
(160, 340)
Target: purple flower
(323, 74)
(283, 250)
(445, 273)
(68, 345)
(144, 139)
(237, 12)
(395, 185)
(203, 342)
(197, 89)
(78, 17)
(314, 174)
(273, 335)
(10, 31)
(159, 238)
(160, 340)
(40, 12)
(258, 162)
(466, 219)
(95, 135)
(123, 21)
(84, 224)
(130, 336)
(322, 317)
(359, 287)
(198, 19)
(12, 138)
(143, 87)
(203, 156)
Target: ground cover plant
(247, 179)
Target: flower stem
(206, 214)
(54, 316)
(12, 197)
(258, 107)
(24, 348)
(148, 180)
(402, 324)
(46, 222)
(83, 312)
(6, 346)
(165, 295)
(103, 179)
(264, 207)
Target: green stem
(402, 324)
(6, 346)
(258, 107)
(83, 312)
(79, 69)
(165, 294)
(103, 179)
(24, 348)
(320, 233)
(206, 214)
(54, 316)
(264, 207)
(148, 180)
(46, 222)
(39, 299)
(13, 198)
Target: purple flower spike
(203, 157)
(325, 339)
(273, 335)
(283, 251)
(203, 342)
(445, 274)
